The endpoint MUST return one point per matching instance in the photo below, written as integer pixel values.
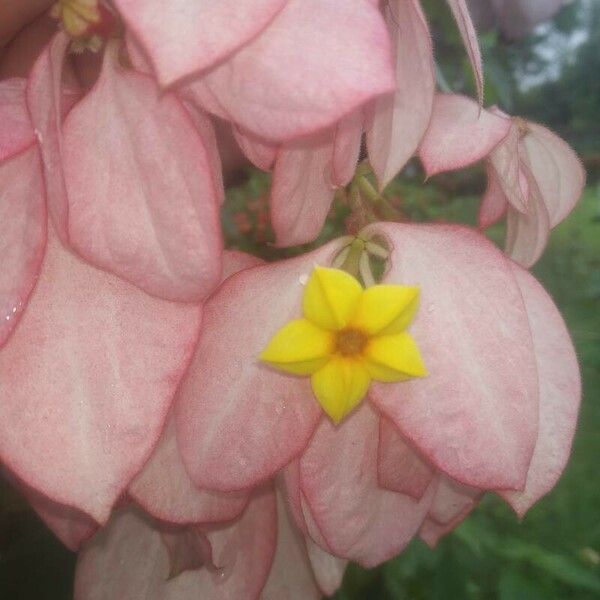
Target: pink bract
(239, 441)
(316, 62)
(22, 206)
(259, 555)
(399, 120)
(87, 380)
(101, 178)
(187, 36)
(130, 554)
(305, 177)
(533, 175)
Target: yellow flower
(348, 337)
(77, 15)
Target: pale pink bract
(533, 175)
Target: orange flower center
(350, 341)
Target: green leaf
(567, 570)
(514, 585)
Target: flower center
(350, 341)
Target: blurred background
(549, 73)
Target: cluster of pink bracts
(134, 412)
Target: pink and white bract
(534, 177)
(101, 179)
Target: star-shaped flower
(348, 337)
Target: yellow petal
(299, 347)
(330, 298)
(393, 358)
(340, 385)
(386, 309)
(86, 9)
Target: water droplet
(14, 309)
(303, 279)
(38, 135)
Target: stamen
(377, 250)
(340, 259)
(88, 22)
(364, 266)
